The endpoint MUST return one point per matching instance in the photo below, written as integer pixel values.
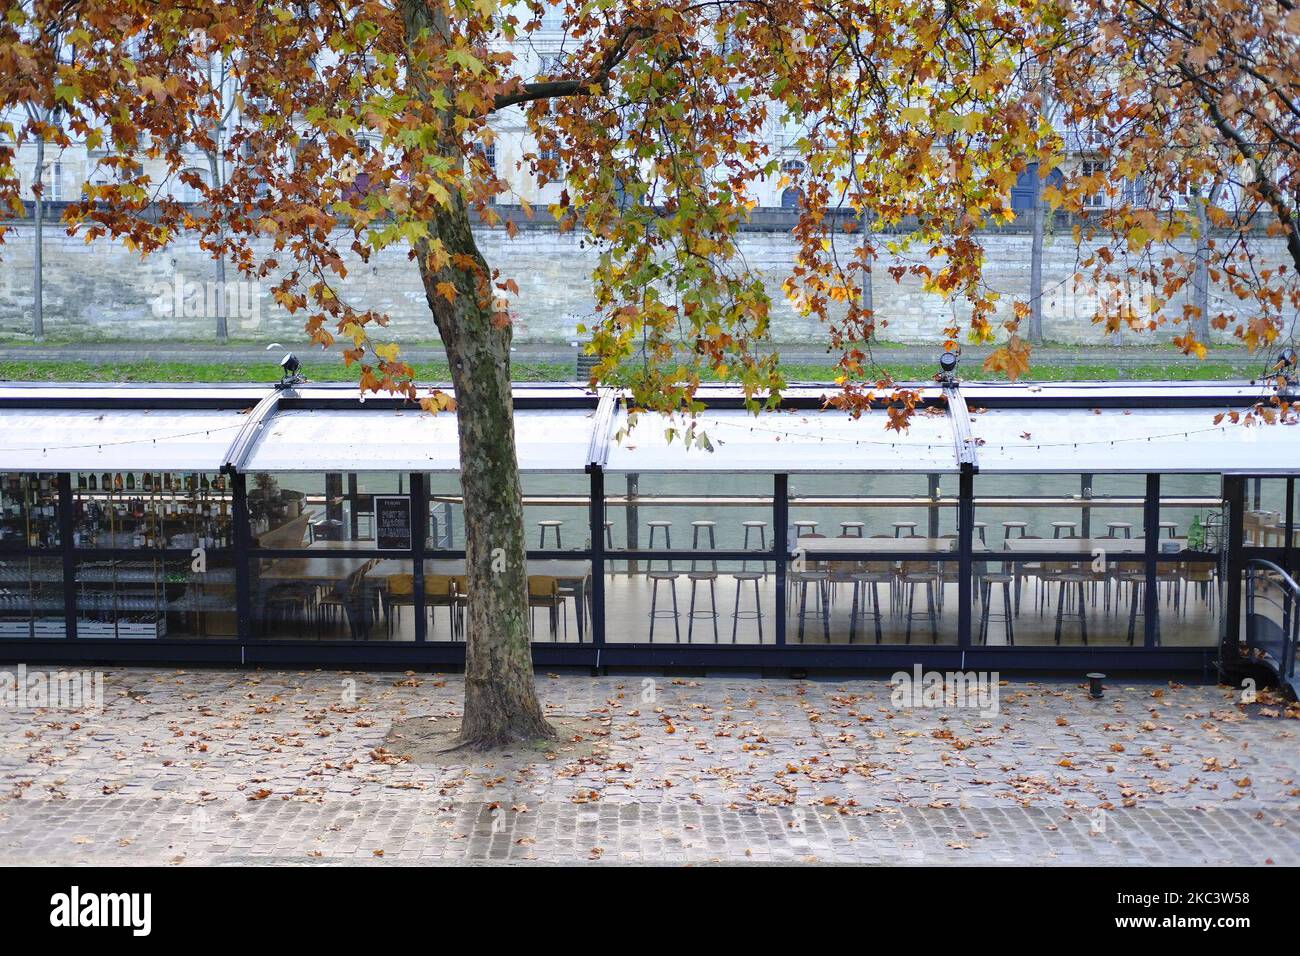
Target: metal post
(67, 525)
(633, 522)
(1085, 517)
(780, 547)
(933, 524)
(1234, 494)
(420, 519)
(243, 557)
(597, 516)
(1151, 540)
(965, 549)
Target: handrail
(1289, 605)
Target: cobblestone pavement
(231, 767)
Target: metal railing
(1272, 621)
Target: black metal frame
(246, 647)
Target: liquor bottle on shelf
(130, 481)
(92, 483)
(81, 482)
(117, 481)
(148, 482)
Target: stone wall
(104, 291)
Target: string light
(99, 446)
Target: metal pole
(780, 547)
(1151, 532)
(965, 548)
(597, 518)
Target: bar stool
(609, 535)
(695, 577)
(1010, 526)
(980, 527)
(803, 529)
(1113, 529)
(761, 528)
(552, 525)
(867, 584)
(1171, 527)
(658, 577)
(1071, 526)
(987, 584)
(899, 526)
(696, 528)
(821, 599)
(746, 614)
(852, 529)
(1072, 581)
(666, 526)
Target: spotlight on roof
(289, 366)
(948, 366)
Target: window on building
(187, 192)
(1096, 197)
(553, 171)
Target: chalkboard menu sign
(393, 522)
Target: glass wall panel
(333, 597)
(556, 512)
(1190, 603)
(1082, 578)
(290, 510)
(446, 512)
(152, 510)
(691, 601)
(1192, 516)
(1264, 524)
(895, 506)
(156, 598)
(684, 512)
(31, 597)
(29, 510)
(865, 600)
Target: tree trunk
(1039, 226)
(38, 259)
(501, 703)
(223, 331)
(1201, 277)
(500, 697)
(868, 291)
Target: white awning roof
(1135, 440)
(800, 441)
(409, 440)
(74, 439)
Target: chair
(866, 583)
(821, 599)
(987, 615)
(1071, 583)
(1071, 529)
(399, 592)
(852, 529)
(440, 591)
(914, 574)
(544, 592)
(1113, 529)
(761, 528)
(1010, 526)
(901, 526)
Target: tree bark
(1201, 277)
(501, 703)
(38, 257)
(1039, 226)
(223, 331)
